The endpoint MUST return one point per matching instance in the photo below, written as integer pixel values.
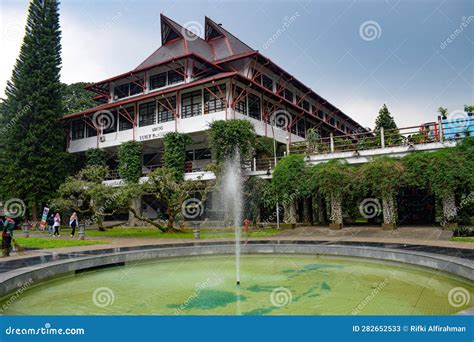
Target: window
(300, 128)
(241, 106)
(77, 127)
(147, 114)
(175, 76)
(287, 95)
(332, 121)
(127, 89)
(202, 154)
(121, 91)
(165, 113)
(212, 103)
(110, 126)
(158, 81)
(306, 105)
(266, 81)
(189, 155)
(191, 104)
(91, 131)
(166, 78)
(124, 119)
(135, 89)
(321, 114)
(254, 106)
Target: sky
(413, 55)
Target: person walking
(57, 224)
(50, 222)
(73, 223)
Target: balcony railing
(441, 131)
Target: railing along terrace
(423, 134)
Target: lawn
(185, 234)
(34, 242)
(462, 239)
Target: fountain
(232, 201)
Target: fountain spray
(232, 197)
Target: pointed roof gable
(177, 41)
(169, 30)
(223, 42)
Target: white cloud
(91, 50)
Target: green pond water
(270, 285)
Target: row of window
(160, 80)
(156, 112)
(268, 83)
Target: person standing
(6, 243)
(73, 223)
(57, 224)
(246, 225)
(10, 225)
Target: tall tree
(33, 141)
(385, 119)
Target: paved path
(431, 236)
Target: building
(189, 82)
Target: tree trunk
(170, 222)
(290, 212)
(336, 209)
(147, 220)
(34, 212)
(132, 219)
(307, 211)
(322, 211)
(100, 223)
(389, 209)
(450, 211)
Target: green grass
(206, 233)
(34, 242)
(462, 239)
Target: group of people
(54, 224)
(7, 225)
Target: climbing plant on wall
(130, 161)
(174, 156)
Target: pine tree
(33, 140)
(385, 119)
(391, 134)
